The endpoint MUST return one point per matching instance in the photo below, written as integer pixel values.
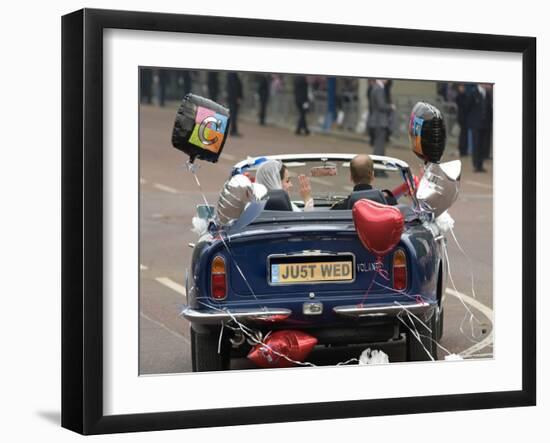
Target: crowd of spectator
(473, 103)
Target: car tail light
(399, 270)
(218, 278)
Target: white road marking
(485, 310)
(172, 285)
(162, 326)
(481, 185)
(165, 188)
(143, 267)
(142, 181)
(229, 157)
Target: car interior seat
(370, 194)
(278, 200)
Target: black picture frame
(82, 220)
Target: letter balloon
(427, 135)
(200, 129)
(439, 186)
(236, 194)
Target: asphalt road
(169, 194)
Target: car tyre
(204, 351)
(416, 350)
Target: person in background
(263, 95)
(442, 89)
(186, 82)
(477, 122)
(392, 117)
(302, 103)
(379, 117)
(370, 131)
(213, 85)
(488, 140)
(452, 91)
(331, 114)
(163, 75)
(460, 101)
(275, 91)
(234, 98)
(274, 175)
(146, 85)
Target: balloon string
(264, 347)
(419, 299)
(379, 270)
(347, 362)
(417, 336)
(409, 313)
(473, 337)
(414, 333)
(416, 297)
(220, 339)
(237, 266)
(250, 333)
(467, 258)
(468, 310)
(193, 169)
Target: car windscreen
(331, 181)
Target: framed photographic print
(264, 226)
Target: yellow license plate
(311, 272)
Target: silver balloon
(235, 195)
(439, 186)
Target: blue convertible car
(275, 269)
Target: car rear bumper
(360, 311)
(212, 316)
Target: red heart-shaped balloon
(378, 226)
(296, 345)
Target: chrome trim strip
(379, 310)
(213, 317)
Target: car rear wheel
(421, 349)
(204, 351)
